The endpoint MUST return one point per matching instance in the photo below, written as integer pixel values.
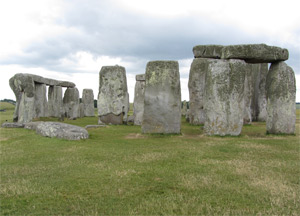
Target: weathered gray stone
(113, 98)
(130, 119)
(40, 103)
(184, 108)
(94, 126)
(255, 53)
(139, 95)
(50, 82)
(196, 90)
(248, 95)
(12, 125)
(32, 125)
(162, 104)
(224, 97)
(88, 102)
(61, 130)
(281, 97)
(24, 90)
(259, 99)
(71, 103)
(81, 110)
(55, 101)
(208, 51)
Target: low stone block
(12, 125)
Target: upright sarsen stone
(113, 97)
(196, 90)
(139, 95)
(55, 101)
(88, 102)
(162, 104)
(224, 97)
(281, 95)
(71, 103)
(40, 103)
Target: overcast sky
(72, 40)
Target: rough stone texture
(130, 119)
(281, 97)
(255, 53)
(113, 98)
(32, 125)
(248, 96)
(162, 104)
(139, 95)
(88, 102)
(12, 125)
(224, 97)
(50, 82)
(40, 103)
(196, 90)
(55, 101)
(71, 103)
(208, 51)
(184, 108)
(259, 99)
(81, 110)
(24, 90)
(61, 130)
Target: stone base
(111, 119)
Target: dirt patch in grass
(135, 136)
(3, 139)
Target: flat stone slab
(62, 131)
(94, 126)
(32, 125)
(251, 53)
(12, 125)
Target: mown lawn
(119, 171)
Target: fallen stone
(139, 95)
(94, 126)
(224, 97)
(12, 125)
(255, 53)
(162, 104)
(62, 131)
(113, 97)
(196, 90)
(281, 97)
(208, 51)
(32, 125)
(88, 102)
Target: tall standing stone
(224, 97)
(139, 95)
(259, 97)
(55, 101)
(184, 108)
(40, 103)
(162, 104)
(71, 103)
(88, 102)
(113, 97)
(24, 90)
(196, 90)
(248, 96)
(281, 95)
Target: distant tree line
(9, 101)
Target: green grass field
(119, 171)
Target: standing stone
(281, 97)
(248, 96)
(88, 102)
(184, 108)
(224, 97)
(196, 90)
(113, 98)
(139, 95)
(259, 97)
(24, 90)
(40, 103)
(71, 103)
(81, 110)
(55, 101)
(162, 104)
